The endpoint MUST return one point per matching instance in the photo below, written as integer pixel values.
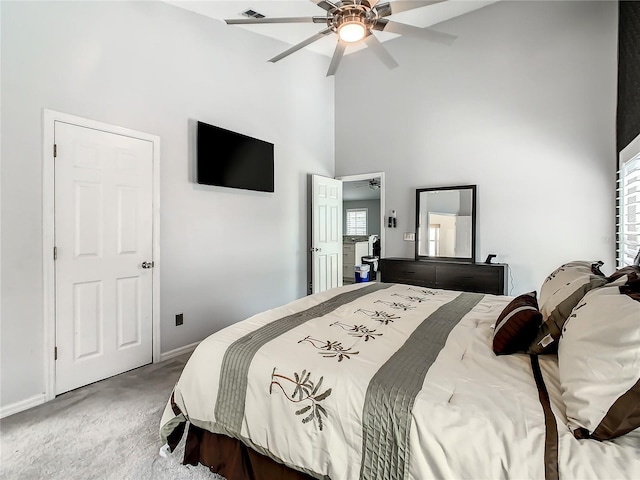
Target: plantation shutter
(628, 214)
(357, 221)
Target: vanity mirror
(446, 223)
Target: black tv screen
(230, 159)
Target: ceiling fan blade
(302, 44)
(337, 56)
(389, 8)
(250, 21)
(324, 4)
(385, 25)
(374, 44)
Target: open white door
(104, 244)
(326, 247)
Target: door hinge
(55, 150)
(55, 253)
(55, 353)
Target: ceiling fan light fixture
(353, 21)
(351, 28)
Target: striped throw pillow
(517, 325)
(599, 362)
(559, 294)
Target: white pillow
(599, 363)
(560, 292)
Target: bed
(385, 381)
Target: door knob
(148, 264)
(312, 249)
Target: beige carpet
(106, 430)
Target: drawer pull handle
(410, 273)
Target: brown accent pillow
(630, 270)
(631, 287)
(517, 325)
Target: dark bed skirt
(232, 459)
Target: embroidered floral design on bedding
(424, 291)
(379, 315)
(305, 391)
(573, 315)
(331, 348)
(397, 305)
(410, 298)
(555, 273)
(359, 331)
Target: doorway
(363, 205)
(101, 250)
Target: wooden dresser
(468, 277)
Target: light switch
(410, 236)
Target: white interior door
(104, 243)
(326, 248)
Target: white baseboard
(36, 400)
(22, 405)
(176, 352)
(39, 399)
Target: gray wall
(156, 68)
(522, 104)
(373, 214)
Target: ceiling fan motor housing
(351, 13)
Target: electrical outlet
(409, 236)
(179, 319)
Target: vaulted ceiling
(292, 33)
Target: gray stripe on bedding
(232, 390)
(386, 415)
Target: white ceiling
(360, 190)
(292, 33)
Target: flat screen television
(230, 159)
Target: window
(356, 221)
(628, 209)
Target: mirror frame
(470, 259)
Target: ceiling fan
(355, 21)
(373, 183)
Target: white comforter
(476, 415)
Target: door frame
(49, 118)
(367, 176)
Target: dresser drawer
(470, 278)
(413, 273)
